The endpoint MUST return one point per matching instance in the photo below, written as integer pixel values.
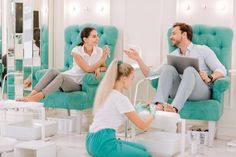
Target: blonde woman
(111, 108)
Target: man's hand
(131, 53)
(204, 76)
(97, 73)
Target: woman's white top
(76, 73)
(111, 114)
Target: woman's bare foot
(160, 107)
(170, 108)
(34, 98)
(22, 99)
(33, 93)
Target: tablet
(182, 62)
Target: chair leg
(212, 130)
(183, 137)
(126, 130)
(68, 112)
(79, 120)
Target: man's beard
(177, 42)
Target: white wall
(117, 19)
(210, 12)
(86, 11)
(143, 28)
(58, 42)
(143, 24)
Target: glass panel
(10, 54)
(37, 36)
(28, 44)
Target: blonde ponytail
(106, 85)
(114, 72)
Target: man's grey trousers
(188, 87)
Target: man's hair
(185, 28)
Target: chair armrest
(90, 79)
(39, 74)
(152, 77)
(154, 82)
(63, 69)
(221, 84)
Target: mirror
(27, 25)
(35, 37)
(8, 56)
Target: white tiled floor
(73, 145)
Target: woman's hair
(85, 34)
(114, 72)
(36, 36)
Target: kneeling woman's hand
(152, 109)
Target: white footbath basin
(29, 130)
(160, 143)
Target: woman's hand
(131, 53)
(106, 52)
(103, 69)
(97, 73)
(107, 49)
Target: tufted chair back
(107, 34)
(216, 38)
(44, 47)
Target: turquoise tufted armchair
(219, 39)
(80, 100)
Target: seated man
(192, 85)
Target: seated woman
(111, 108)
(87, 58)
